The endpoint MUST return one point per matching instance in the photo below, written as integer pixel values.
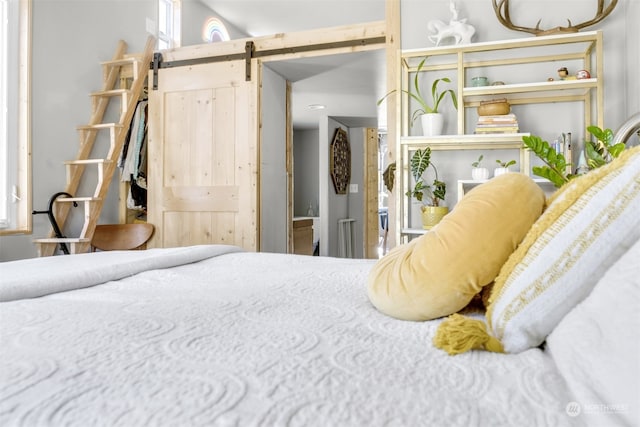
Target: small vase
(479, 174)
(432, 124)
(500, 171)
(431, 215)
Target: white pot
(500, 171)
(479, 174)
(432, 124)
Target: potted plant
(596, 153)
(478, 173)
(428, 110)
(431, 195)
(503, 167)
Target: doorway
(321, 93)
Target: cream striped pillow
(585, 229)
(588, 225)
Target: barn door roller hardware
(250, 53)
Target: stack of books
(503, 123)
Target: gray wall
(334, 207)
(305, 172)
(273, 175)
(621, 46)
(70, 39)
(194, 15)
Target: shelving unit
(525, 65)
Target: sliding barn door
(203, 157)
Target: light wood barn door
(203, 157)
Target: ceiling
(348, 85)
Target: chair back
(112, 237)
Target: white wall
(273, 172)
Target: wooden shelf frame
(585, 48)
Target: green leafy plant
(597, 153)
(556, 164)
(506, 164)
(420, 161)
(601, 151)
(427, 105)
(477, 163)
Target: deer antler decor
(501, 8)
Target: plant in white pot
(431, 195)
(428, 108)
(503, 167)
(479, 173)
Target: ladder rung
(113, 92)
(62, 240)
(119, 62)
(77, 199)
(100, 126)
(88, 162)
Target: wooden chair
(112, 237)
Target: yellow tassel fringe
(459, 334)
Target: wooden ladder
(122, 66)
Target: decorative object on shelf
(501, 9)
(563, 73)
(420, 161)
(596, 154)
(479, 81)
(497, 123)
(494, 107)
(388, 176)
(497, 83)
(456, 29)
(503, 167)
(340, 161)
(427, 108)
(478, 173)
(583, 74)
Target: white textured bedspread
(253, 339)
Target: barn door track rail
(250, 52)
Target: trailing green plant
(426, 105)
(506, 164)
(420, 161)
(477, 163)
(597, 153)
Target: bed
(215, 336)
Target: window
(4, 134)
(168, 23)
(15, 161)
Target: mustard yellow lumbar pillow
(439, 273)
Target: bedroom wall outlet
(353, 188)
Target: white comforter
(252, 339)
